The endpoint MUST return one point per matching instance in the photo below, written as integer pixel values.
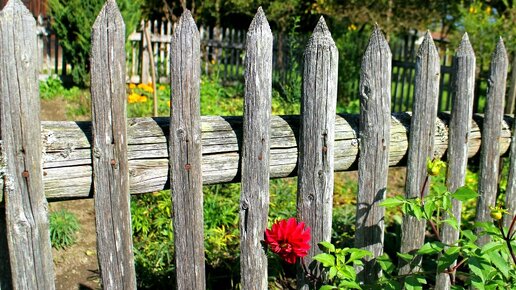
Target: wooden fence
(111, 157)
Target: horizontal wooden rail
(67, 155)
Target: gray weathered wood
(421, 143)
(67, 155)
(373, 162)
(489, 156)
(510, 198)
(26, 209)
(185, 157)
(460, 124)
(110, 162)
(316, 138)
(254, 199)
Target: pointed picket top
(17, 6)
(465, 48)
(14, 7)
(500, 53)
(320, 36)
(427, 47)
(109, 12)
(259, 22)
(377, 41)
(186, 25)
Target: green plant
(72, 23)
(63, 229)
(490, 265)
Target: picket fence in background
(111, 157)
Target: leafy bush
(72, 23)
(63, 229)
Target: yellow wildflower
(133, 98)
(161, 88)
(132, 86)
(352, 27)
(488, 10)
(168, 103)
(472, 9)
(142, 99)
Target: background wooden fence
(111, 157)
(225, 47)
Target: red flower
(289, 239)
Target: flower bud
(433, 167)
(497, 212)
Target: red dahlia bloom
(289, 239)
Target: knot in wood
(311, 197)
(244, 205)
(324, 149)
(180, 133)
(188, 166)
(25, 173)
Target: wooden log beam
(67, 155)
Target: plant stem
(435, 230)
(508, 237)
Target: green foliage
(63, 229)
(338, 265)
(53, 87)
(72, 23)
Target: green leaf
(327, 287)
(464, 193)
(429, 208)
(414, 283)
(332, 273)
(449, 257)
(393, 201)
(492, 246)
(358, 254)
(431, 248)
(349, 285)
(415, 210)
(326, 246)
(500, 263)
(475, 265)
(452, 221)
(385, 263)
(326, 260)
(406, 257)
(470, 236)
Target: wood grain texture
(460, 124)
(489, 157)
(110, 162)
(316, 139)
(26, 210)
(254, 198)
(373, 162)
(421, 145)
(185, 155)
(67, 154)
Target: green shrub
(72, 21)
(63, 228)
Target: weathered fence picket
(254, 200)
(110, 162)
(185, 155)
(459, 128)
(26, 217)
(316, 139)
(489, 152)
(421, 145)
(373, 162)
